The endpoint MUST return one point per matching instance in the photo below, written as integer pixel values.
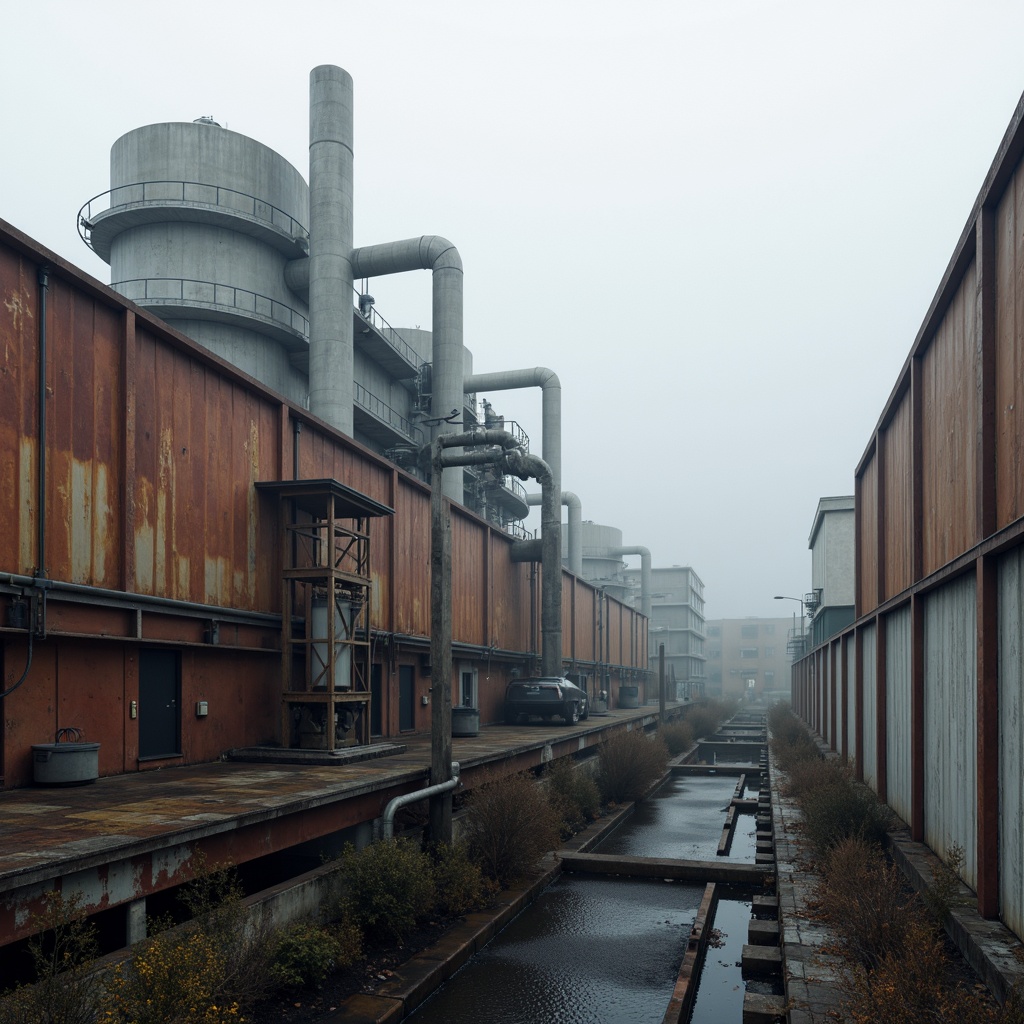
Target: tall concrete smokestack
(330, 246)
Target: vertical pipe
(447, 355)
(330, 246)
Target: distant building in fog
(832, 558)
(677, 621)
(748, 657)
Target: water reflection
(589, 951)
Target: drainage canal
(598, 946)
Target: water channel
(600, 950)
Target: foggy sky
(721, 223)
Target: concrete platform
(759, 1008)
(761, 961)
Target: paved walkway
(48, 831)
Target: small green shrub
(573, 795)
(629, 763)
(459, 883)
(306, 954)
(678, 737)
(390, 886)
(509, 826)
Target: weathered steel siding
(1009, 333)
(19, 386)
(1011, 739)
(899, 503)
(950, 721)
(948, 431)
(867, 538)
(412, 552)
(897, 711)
(868, 722)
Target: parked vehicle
(545, 697)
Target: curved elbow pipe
(575, 530)
(393, 807)
(645, 574)
(551, 407)
(441, 258)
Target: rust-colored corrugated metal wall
(153, 450)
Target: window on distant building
(748, 652)
(770, 630)
(715, 654)
(748, 632)
(714, 630)
(769, 678)
(769, 652)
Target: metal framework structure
(325, 598)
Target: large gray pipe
(551, 408)
(526, 466)
(330, 246)
(575, 532)
(645, 574)
(441, 258)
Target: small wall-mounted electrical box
(424, 700)
(133, 709)
(202, 709)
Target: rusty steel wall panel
(19, 388)
(950, 722)
(586, 623)
(615, 632)
(412, 554)
(898, 513)
(897, 711)
(202, 442)
(867, 538)
(949, 430)
(1009, 345)
(468, 580)
(1011, 738)
(509, 599)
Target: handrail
(210, 293)
(373, 405)
(388, 333)
(204, 194)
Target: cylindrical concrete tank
(600, 566)
(197, 227)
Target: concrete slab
(761, 961)
(763, 933)
(760, 1008)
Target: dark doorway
(375, 692)
(159, 704)
(406, 698)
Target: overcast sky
(720, 222)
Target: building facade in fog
(747, 657)
(677, 621)
(832, 560)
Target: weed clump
(459, 885)
(306, 954)
(678, 737)
(67, 991)
(573, 795)
(509, 826)
(629, 763)
(390, 887)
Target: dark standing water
(684, 820)
(588, 951)
(595, 950)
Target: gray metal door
(406, 698)
(159, 704)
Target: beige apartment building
(748, 658)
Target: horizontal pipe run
(388, 820)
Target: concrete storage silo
(197, 228)
(600, 566)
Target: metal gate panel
(869, 723)
(951, 722)
(897, 711)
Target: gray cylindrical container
(198, 227)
